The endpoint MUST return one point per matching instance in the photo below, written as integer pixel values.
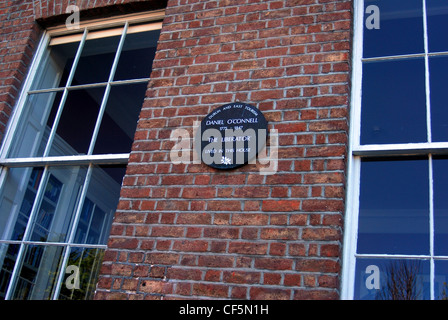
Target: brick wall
(190, 231)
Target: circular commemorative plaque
(232, 135)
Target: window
(65, 155)
(397, 213)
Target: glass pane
(8, 254)
(390, 279)
(32, 135)
(54, 211)
(138, 53)
(16, 200)
(77, 123)
(438, 68)
(393, 102)
(100, 205)
(398, 29)
(441, 280)
(81, 274)
(394, 207)
(437, 21)
(96, 60)
(440, 180)
(55, 70)
(38, 273)
(119, 122)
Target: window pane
(390, 279)
(440, 178)
(438, 68)
(136, 58)
(38, 273)
(8, 254)
(54, 71)
(77, 123)
(441, 280)
(400, 28)
(16, 201)
(393, 102)
(100, 205)
(54, 211)
(437, 21)
(394, 207)
(96, 60)
(119, 122)
(86, 263)
(32, 135)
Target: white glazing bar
(55, 244)
(130, 81)
(429, 133)
(49, 90)
(119, 158)
(106, 93)
(431, 224)
(90, 85)
(393, 256)
(395, 57)
(64, 96)
(29, 226)
(402, 149)
(427, 87)
(406, 56)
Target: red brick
(151, 286)
(260, 293)
(210, 290)
(281, 205)
(248, 248)
(242, 277)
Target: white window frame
(356, 152)
(90, 29)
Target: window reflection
(119, 122)
(38, 273)
(437, 22)
(440, 178)
(96, 60)
(86, 263)
(401, 28)
(136, 58)
(77, 123)
(402, 209)
(441, 280)
(438, 68)
(55, 72)
(394, 207)
(392, 279)
(8, 254)
(54, 209)
(393, 102)
(99, 205)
